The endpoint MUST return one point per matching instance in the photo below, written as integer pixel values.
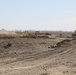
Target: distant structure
(3, 31)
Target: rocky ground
(38, 56)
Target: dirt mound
(3, 31)
(63, 42)
(7, 34)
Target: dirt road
(45, 56)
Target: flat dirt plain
(52, 55)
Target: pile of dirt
(7, 34)
(63, 42)
(3, 31)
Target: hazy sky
(38, 14)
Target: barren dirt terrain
(52, 55)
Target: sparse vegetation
(39, 53)
(7, 45)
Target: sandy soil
(38, 56)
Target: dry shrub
(29, 35)
(7, 45)
(33, 35)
